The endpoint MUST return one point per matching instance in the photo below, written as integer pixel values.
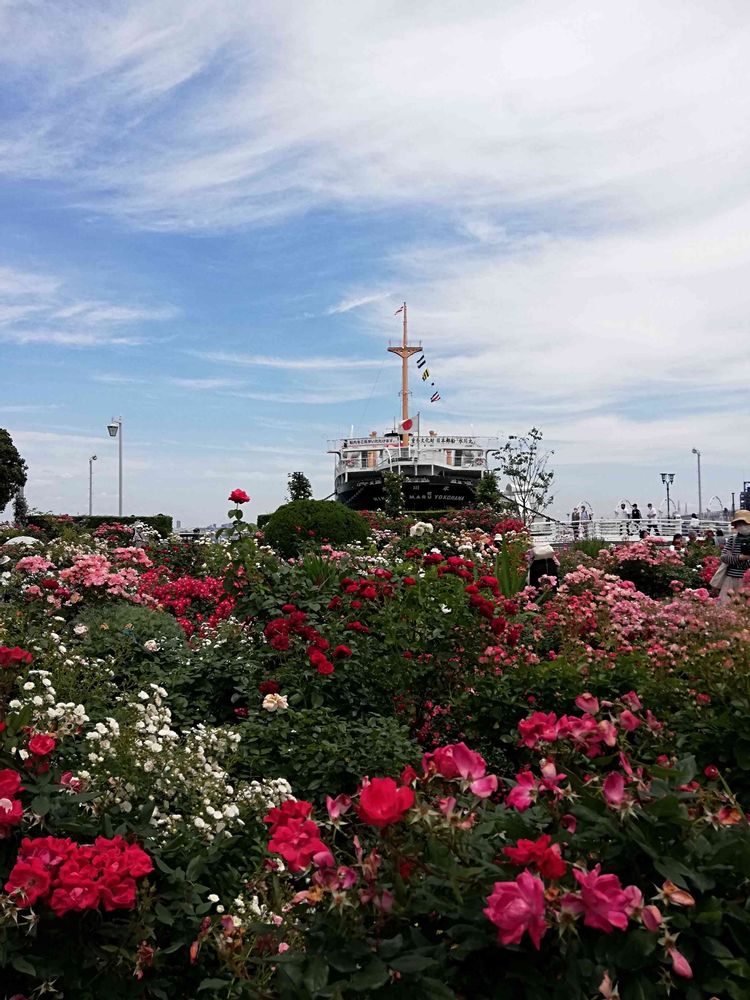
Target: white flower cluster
(47, 713)
(420, 528)
(179, 773)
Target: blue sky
(208, 215)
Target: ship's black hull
(364, 491)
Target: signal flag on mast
(399, 311)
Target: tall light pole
(91, 484)
(115, 431)
(667, 478)
(700, 495)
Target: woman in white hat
(736, 555)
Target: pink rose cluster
(74, 877)
(457, 761)
(586, 732)
(604, 904)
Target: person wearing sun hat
(736, 555)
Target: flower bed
(371, 769)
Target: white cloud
(346, 305)
(292, 364)
(36, 308)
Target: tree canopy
(12, 469)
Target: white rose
(274, 702)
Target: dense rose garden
(379, 768)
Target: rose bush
(381, 768)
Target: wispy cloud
(291, 364)
(346, 305)
(109, 378)
(203, 383)
(29, 407)
(36, 308)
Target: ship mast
(405, 351)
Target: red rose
(10, 783)
(291, 809)
(117, 893)
(28, 881)
(10, 656)
(42, 744)
(269, 687)
(10, 815)
(341, 651)
(83, 896)
(711, 772)
(382, 802)
(239, 496)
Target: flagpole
(405, 351)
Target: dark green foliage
(393, 490)
(298, 487)
(52, 524)
(12, 469)
(295, 526)
(322, 749)
(120, 630)
(20, 509)
(487, 493)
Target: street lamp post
(91, 484)
(115, 431)
(700, 495)
(667, 478)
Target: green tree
(487, 493)
(12, 469)
(298, 487)
(20, 509)
(523, 461)
(393, 494)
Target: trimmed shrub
(52, 524)
(296, 525)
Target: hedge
(295, 525)
(160, 522)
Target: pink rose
(516, 908)
(587, 703)
(614, 789)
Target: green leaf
(412, 963)
(41, 805)
(20, 964)
(742, 754)
(163, 915)
(315, 975)
(214, 984)
(374, 974)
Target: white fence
(618, 531)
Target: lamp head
(113, 429)
(695, 451)
(93, 458)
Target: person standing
(695, 523)
(585, 518)
(623, 519)
(575, 521)
(652, 522)
(636, 516)
(735, 555)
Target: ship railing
(614, 530)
